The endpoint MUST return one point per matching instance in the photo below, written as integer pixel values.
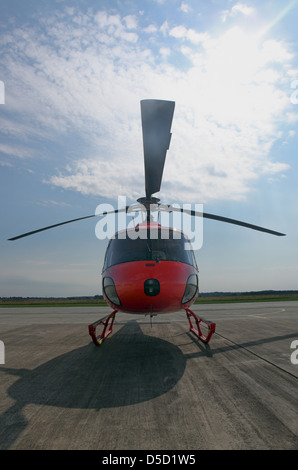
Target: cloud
(15, 151)
(241, 8)
(50, 202)
(130, 21)
(79, 77)
(165, 51)
(185, 7)
(151, 28)
(7, 164)
(181, 32)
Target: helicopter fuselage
(150, 274)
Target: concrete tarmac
(150, 387)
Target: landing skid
(108, 321)
(107, 328)
(197, 331)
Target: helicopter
(154, 272)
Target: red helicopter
(155, 272)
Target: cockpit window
(161, 245)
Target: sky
(72, 75)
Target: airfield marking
(265, 315)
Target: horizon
(292, 291)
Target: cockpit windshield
(160, 245)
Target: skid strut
(106, 331)
(198, 331)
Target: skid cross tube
(105, 322)
(198, 331)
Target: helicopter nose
(151, 287)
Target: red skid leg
(105, 332)
(198, 331)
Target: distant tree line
(202, 294)
(263, 292)
(83, 297)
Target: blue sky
(74, 73)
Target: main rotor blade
(227, 220)
(157, 116)
(66, 222)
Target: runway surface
(150, 387)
